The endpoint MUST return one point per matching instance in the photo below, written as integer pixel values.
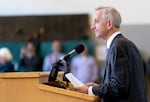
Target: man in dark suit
(123, 79)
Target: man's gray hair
(111, 13)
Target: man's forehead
(98, 14)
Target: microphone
(53, 74)
(77, 50)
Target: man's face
(99, 25)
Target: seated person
(6, 64)
(84, 67)
(53, 57)
(35, 38)
(29, 58)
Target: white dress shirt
(108, 44)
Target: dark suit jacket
(123, 79)
(148, 66)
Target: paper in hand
(74, 80)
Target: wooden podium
(28, 87)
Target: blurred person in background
(53, 57)
(35, 38)
(29, 59)
(84, 67)
(6, 58)
(23, 51)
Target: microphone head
(79, 49)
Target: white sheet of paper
(74, 80)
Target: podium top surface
(25, 74)
(67, 92)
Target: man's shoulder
(122, 41)
(123, 44)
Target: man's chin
(97, 36)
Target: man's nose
(93, 26)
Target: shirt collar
(110, 39)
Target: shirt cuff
(90, 92)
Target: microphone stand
(52, 81)
(67, 59)
(54, 72)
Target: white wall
(133, 11)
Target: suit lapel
(106, 62)
(118, 36)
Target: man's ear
(109, 24)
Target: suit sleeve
(118, 66)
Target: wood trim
(26, 74)
(20, 75)
(67, 92)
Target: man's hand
(91, 84)
(83, 89)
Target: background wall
(135, 14)
(133, 11)
(140, 35)
(47, 27)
